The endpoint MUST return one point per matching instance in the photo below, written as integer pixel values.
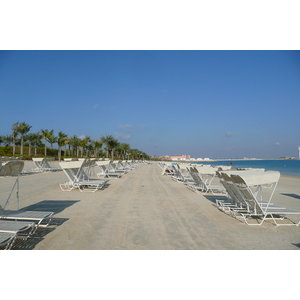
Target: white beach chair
(48, 166)
(40, 218)
(43, 164)
(38, 162)
(250, 186)
(185, 173)
(7, 239)
(206, 177)
(12, 168)
(177, 176)
(77, 173)
(235, 201)
(196, 186)
(20, 229)
(106, 173)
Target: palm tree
(61, 141)
(97, 147)
(134, 153)
(6, 140)
(106, 140)
(14, 135)
(90, 148)
(74, 142)
(51, 140)
(124, 148)
(83, 144)
(30, 138)
(67, 142)
(46, 134)
(23, 128)
(113, 144)
(36, 140)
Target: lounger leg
(65, 187)
(284, 224)
(10, 244)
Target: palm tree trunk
(22, 145)
(45, 148)
(14, 146)
(29, 149)
(59, 153)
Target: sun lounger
(118, 167)
(21, 229)
(177, 176)
(167, 169)
(236, 202)
(41, 218)
(106, 173)
(185, 174)
(12, 168)
(42, 164)
(77, 173)
(7, 239)
(258, 212)
(47, 165)
(196, 186)
(205, 177)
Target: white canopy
(71, 164)
(257, 178)
(102, 162)
(38, 158)
(206, 170)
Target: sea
(284, 166)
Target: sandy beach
(144, 210)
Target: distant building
(177, 157)
(180, 157)
(173, 157)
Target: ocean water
(284, 166)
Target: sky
(216, 104)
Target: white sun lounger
(42, 164)
(12, 168)
(77, 174)
(235, 202)
(106, 173)
(206, 176)
(7, 239)
(279, 215)
(41, 218)
(22, 229)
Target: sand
(144, 210)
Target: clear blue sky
(217, 104)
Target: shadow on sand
(56, 206)
(292, 195)
(213, 198)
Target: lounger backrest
(197, 177)
(247, 194)
(12, 168)
(71, 169)
(233, 191)
(84, 171)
